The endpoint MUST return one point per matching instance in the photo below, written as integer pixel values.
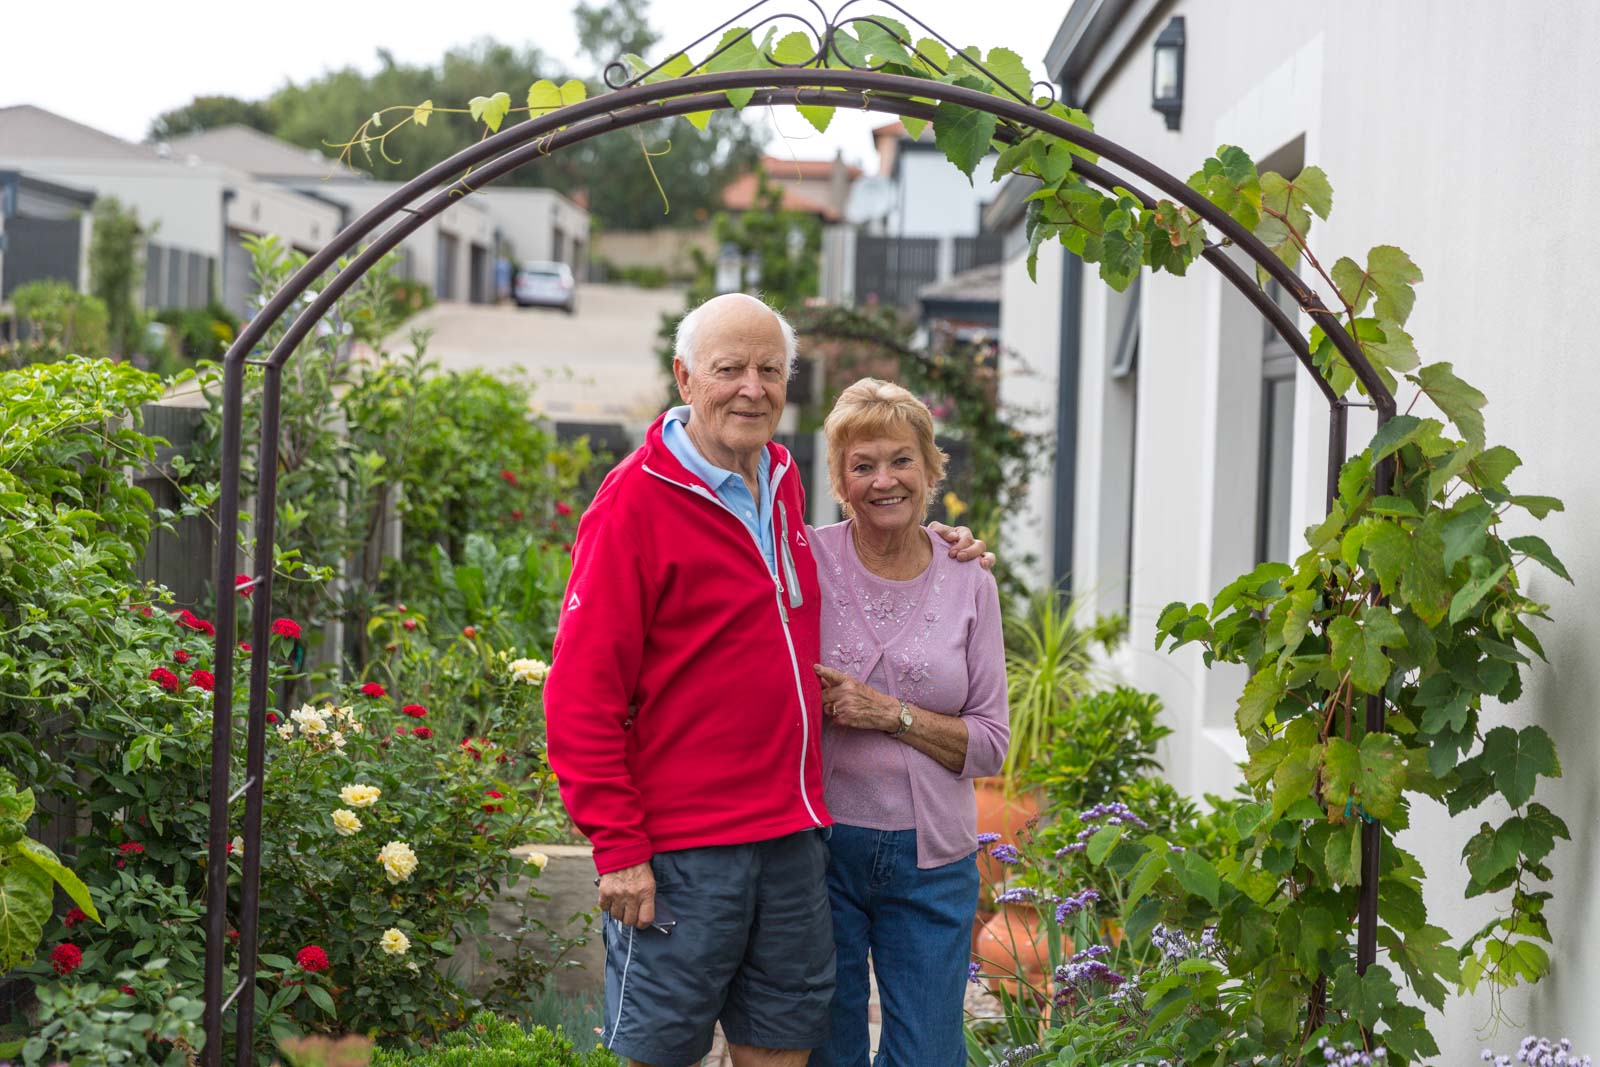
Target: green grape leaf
(1516, 760)
(736, 51)
(932, 56)
(1394, 435)
(1196, 875)
(1261, 695)
(884, 39)
(422, 113)
(1540, 828)
(1537, 506)
(1387, 282)
(1535, 548)
(1492, 852)
(819, 116)
(1383, 774)
(1424, 956)
(1468, 596)
(545, 96)
(1007, 66)
(1229, 181)
(963, 133)
(1340, 769)
(1460, 402)
(491, 110)
(1388, 549)
(1013, 157)
(1466, 529)
(1343, 854)
(794, 49)
(1368, 997)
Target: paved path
(598, 365)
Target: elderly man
(684, 718)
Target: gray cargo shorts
(752, 947)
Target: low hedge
(490, 1041)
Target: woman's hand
(856, 704)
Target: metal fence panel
(40, 250)
(893, 269)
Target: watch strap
(905, 720)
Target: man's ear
(680, 374)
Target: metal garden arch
(632, 102)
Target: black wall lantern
(1166, 77)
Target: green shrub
(58, 321)
(489, 1041)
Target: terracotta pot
(1014, 944)
(1003, 814)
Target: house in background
(192, 207)
(455, 253)
(917, 221)
(1189, 447)
(44, 232)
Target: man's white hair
(685, 343)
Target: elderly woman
(914, 695)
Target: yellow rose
(536, 859)
(394, 942)
(345, 822)
(529, 671)
(398, 861)
(360, 796)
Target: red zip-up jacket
(681, 707)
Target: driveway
(598, 365)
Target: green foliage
(116, 271)
(58, 321)
(208, 113)
(98, 1022)
(1099, 744)
(197, 334)
(1049, 675)
(29, 874)
(490, 1041)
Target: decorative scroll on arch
(836, 73)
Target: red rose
(203, 680)
(272, 716)
(469, 632)
(416, 711)
(165, 679)
(516, 514)
(126, 990)
(510, 479)
(286, 628)
(181, 656)
(466, 744)
(233, 935)
(242, 583)
(373, 689)
(130, 848)
(563, 508)
(73, 918)
(409, 624)
(312, 958)
(189, 620)
(494, 794)
(244, 646)
(422, 732)
(142, 609)
(65, 958)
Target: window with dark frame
(1276, 467)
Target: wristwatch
(905, 720)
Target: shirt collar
(676, 430)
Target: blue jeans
(918, 926)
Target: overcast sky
(117, 65)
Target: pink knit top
(934, 641)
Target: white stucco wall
(935, 199)
(1434, 121)
(1029, 374)
(527, 218)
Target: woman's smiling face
(886, 482)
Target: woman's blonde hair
(876, 408)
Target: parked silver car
(543, 284)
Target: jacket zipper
(783, 614)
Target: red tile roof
(740, 195)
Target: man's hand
(629, 895)
(856, 704)
(966, 548)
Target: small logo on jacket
(800, 539)
(574, 603)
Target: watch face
(905, 716)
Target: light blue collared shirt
(728, 485)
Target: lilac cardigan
(935, 642)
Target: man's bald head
(731, 315)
